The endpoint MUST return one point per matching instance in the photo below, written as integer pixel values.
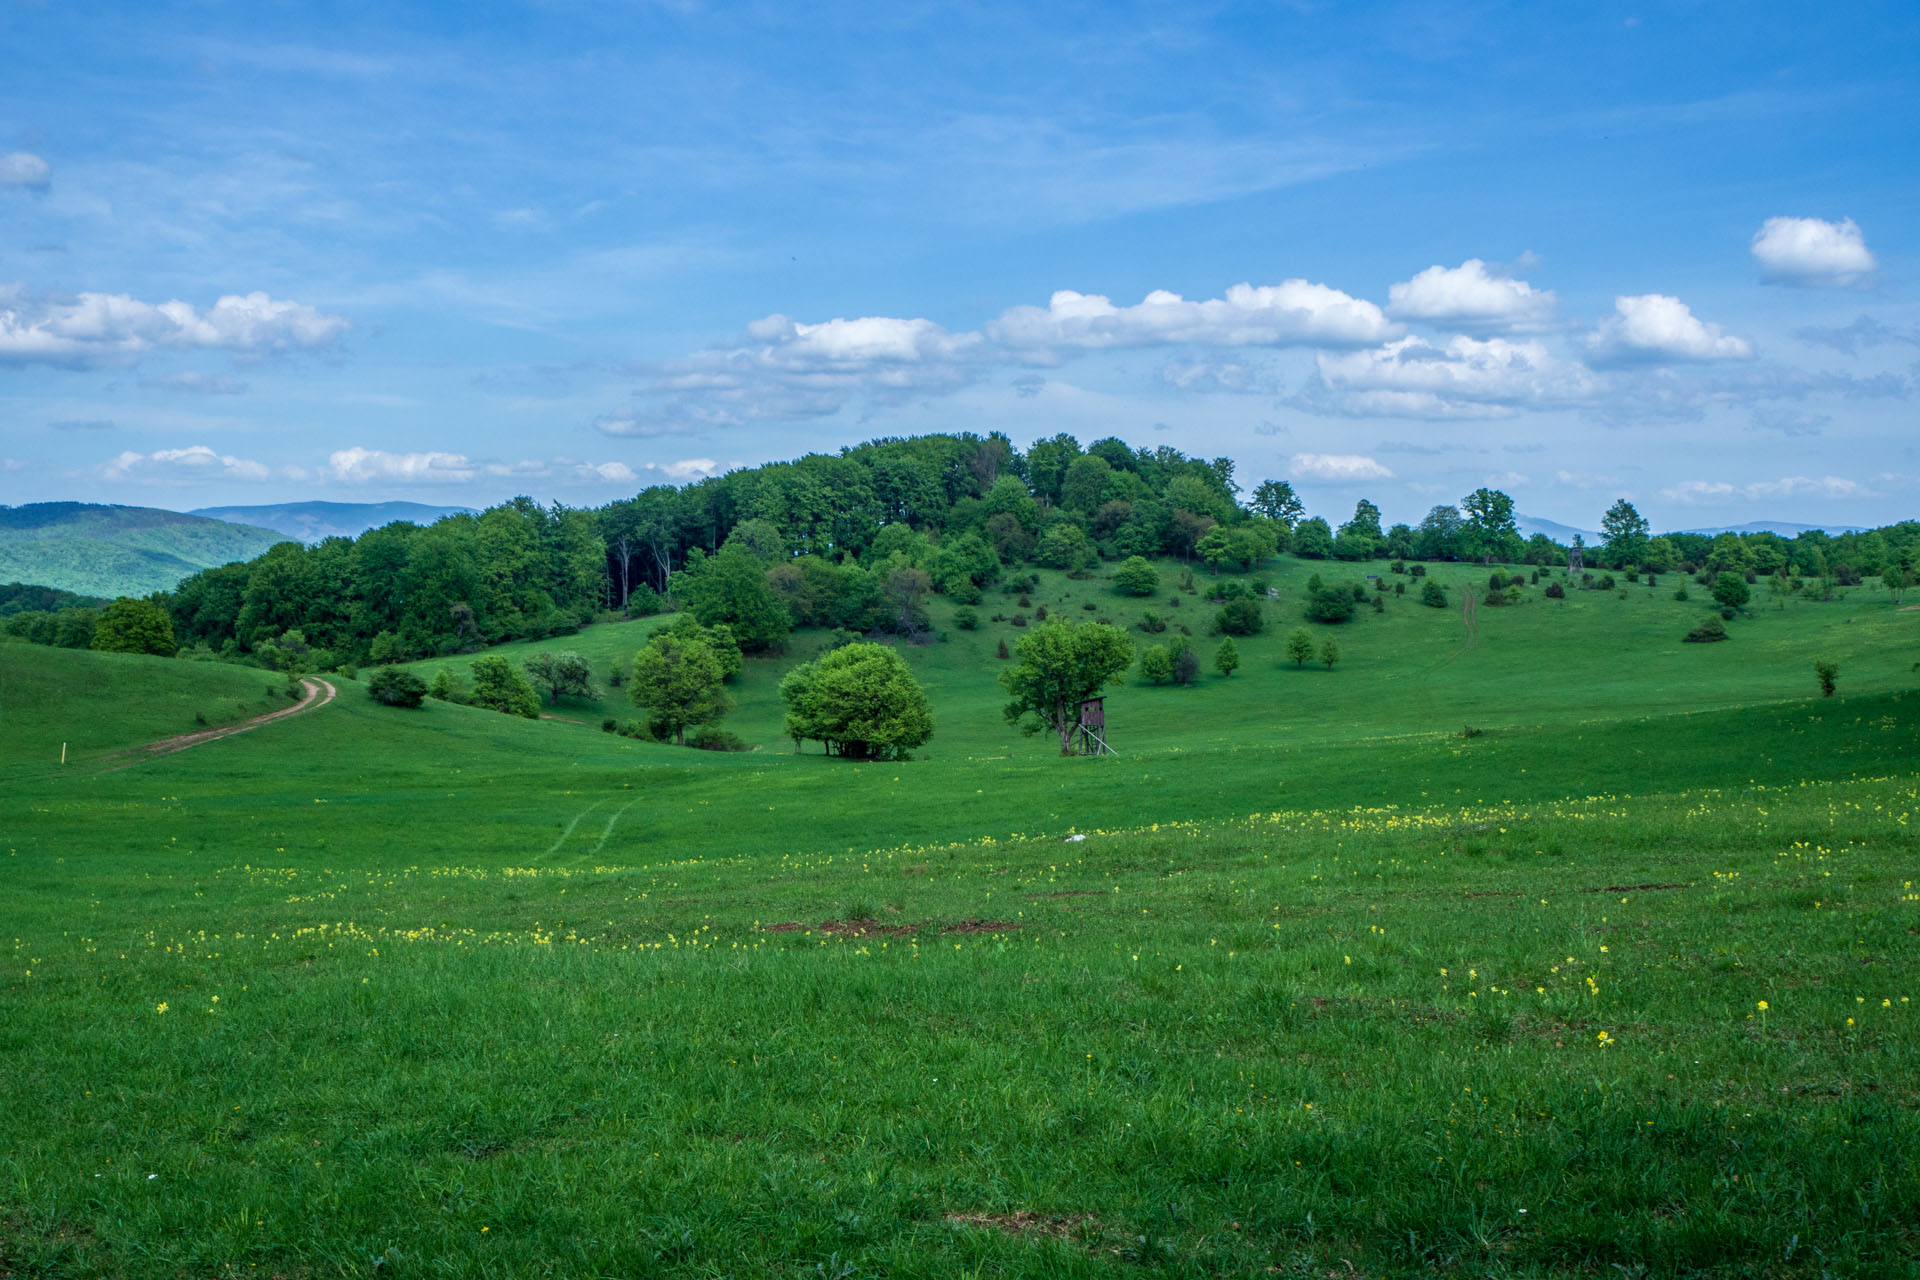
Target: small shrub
(1156, 664)
(1239, 617)
(966, 619)
(1605, 583)
(708, 738)
(1433, 595)
(1040, 614)
(1470, 732)
(1135, 577)
(1417, 571)
(1025, 601)
(1330, 604)
(1828, 674)
(1399, 566)
(1152, 623)
(1173, 602)
(1019, 619)
(609, 725)
(1001, 652)
(1089, 606)
(1680, 594)
(1186, 666)
(349, 672)
(396, 687)
(1399, 588)
(1379, 604)
(1727, 612)
(1708, 632)
(1556, 592)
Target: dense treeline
(857, 541)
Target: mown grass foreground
(369, 992)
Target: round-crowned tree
(860, 701)
(1136, 577)
(1240, 616)
(134, 626)
(1156, 664)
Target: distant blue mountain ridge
(1563, 533)
(313, 521)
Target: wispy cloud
(25, 170)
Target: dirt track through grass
(319, 692)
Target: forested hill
(857, 539)
(312, 521)
(98, 550)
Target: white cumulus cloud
(1471, 296)
(190, 465)
(1338, 468)
(1656, 326)
(101, 326)
(1292, 313)
(1463, 377)
(24, 169)
(1813, 252)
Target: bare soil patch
(981, 926)
(1019, 1223)
(1635, 888)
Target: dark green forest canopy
(857, 539)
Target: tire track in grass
(555, 846)
(608, 829)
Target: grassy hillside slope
(117, 551)
(102, 702)
(1408, 670)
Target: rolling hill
(312, 521)
(100, 550)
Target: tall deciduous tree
(1625, 531)
(134, 626)
(732, 588)
(1276, 500)
(498, 686)
(1490, 524)
(1057, 667)
(556, 673)
(677, 681)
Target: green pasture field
(1409, 669)
(1325, 989)
(97, 703)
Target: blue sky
(257, 253)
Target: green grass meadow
(1622, 986)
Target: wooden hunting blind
(1092, 737)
